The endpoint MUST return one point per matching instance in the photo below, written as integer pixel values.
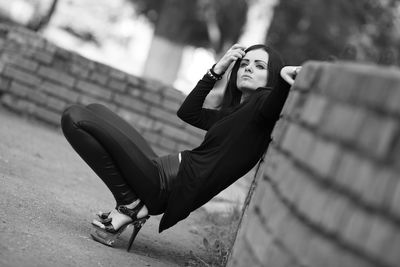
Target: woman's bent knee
(71, 116)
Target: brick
(88, 99)
(131, 103)
(357, 228)
(395, 197)
(279, 130)
(24, 63)
(22, 76)
(93, 89)
(379, 238)
(337, 83)
(336, 214)
(281, 169)
(273, 211)
(392, 253)
(79, 71)
(59, 91)
(290, 108)
(48, 115)
(170, 105)
(321, 252)
(166, 143)
(278, 257)
(164, 115)
(312, 202)
(134, 91)
(56, 76)
(259, 239)
(118, 85)
(134, 81)
(38, 97)
(290, 137)
(308, 75)
(4, 84)
(343, 122)
(151, 137)
(86, 63)
(153, 85)
(173, 94)
(303, 148)
(50, 47)
(43, 56)
(246, 257)
(314, 110)
(152, 97)
(161, 151)
(354, 173)
(128, 115)
(295, 236)
(55, 104)
(393, 101)
(118, 74)
(19, 89)
(98, 67)
(377, 135)
(145, 123)
(377, 187)
(98, 78)
(17, 104)
(324, 157)
(172, 132)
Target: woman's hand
(234, 53)
(289, 73)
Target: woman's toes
(98, 224)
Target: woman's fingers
(289, 73)
(238, 46)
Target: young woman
(237, 135)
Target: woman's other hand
(234, 53)
(289, 73)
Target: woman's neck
(245, 96)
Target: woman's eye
(261, 67)
(243, 64)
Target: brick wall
(328, 191)
(40, 79)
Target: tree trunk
(164, 57)
(40, 21)
(258, 20)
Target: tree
(41, 20)
(197, 23)
(362, 30)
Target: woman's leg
(86, 132)
(116, 121)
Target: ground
(48, 196)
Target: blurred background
(175, 41)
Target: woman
(237, 135)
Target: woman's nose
(248, 68)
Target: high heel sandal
(108, 235)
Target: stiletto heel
(107, 235)
(137, 225)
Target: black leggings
(117, 153)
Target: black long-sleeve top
(233, 144)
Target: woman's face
(253, 71)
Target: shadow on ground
(48, 197)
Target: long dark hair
(232, 94)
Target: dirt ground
(48, 197)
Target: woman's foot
(121, 216)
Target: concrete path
(48, 197)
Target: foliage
(362, 30)
(203, 23)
